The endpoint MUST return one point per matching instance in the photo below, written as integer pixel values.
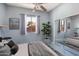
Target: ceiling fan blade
(42, 7)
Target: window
(30, 24)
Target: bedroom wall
(14, 12)
(2, 13)
(62, 11)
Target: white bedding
(40, 49)
(23, 49)
(5, 51)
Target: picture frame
(14, 23)
(68, 25)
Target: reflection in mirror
(67, 34)
(62, 25)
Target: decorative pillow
(11, 44)
(13, 47)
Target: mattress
(40, 49)
(35, 49)
(5, 51)
(23, 50)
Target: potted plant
(46, 30)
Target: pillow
(11, 44)
(5, 51)
(13, 47)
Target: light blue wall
(14, 12)
(2, 13)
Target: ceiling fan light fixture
(39, 6)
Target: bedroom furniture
(8, 48)
(4, 48)
(4, 40)
(70, 47)
(27, 49)
(73, 41)
(40, 49)
(34, 49)
(65, 50)
(13, 47)
(22, 50)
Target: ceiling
(48, 6)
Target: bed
(40, 49)
(26, 49)
(34, 49)
(22, 50)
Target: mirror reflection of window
(62, 25)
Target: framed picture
(68, 25)
(14, 23)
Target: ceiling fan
(38, 6)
